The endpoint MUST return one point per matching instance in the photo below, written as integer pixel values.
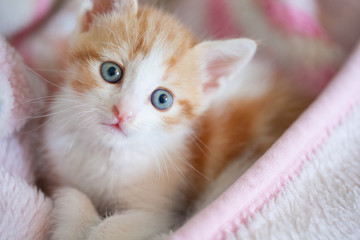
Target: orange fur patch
(133, 36)
(245, 125)
(83, 81)
(187, 108)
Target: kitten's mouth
(115, 127)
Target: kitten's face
(134, 76)
(139, 74)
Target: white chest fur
(142, 176)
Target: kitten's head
(138, 73)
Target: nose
(123, 115)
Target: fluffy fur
(150, 171)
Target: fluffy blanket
(24, 210)
(306, 186)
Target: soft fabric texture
(19, 87)
(305, 186)
(24, 210)
(322, 202)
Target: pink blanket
(23, 209)
(307, 185)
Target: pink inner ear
(86, 21)
(99, 7)
(102, 7)
(216, 69)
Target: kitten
(143, 121)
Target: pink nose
(123, 115)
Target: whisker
(85, 122)
(178, 170)
(198, 141)
(191, 166)
(165, 163)
(42, 78)
(50, 114)
(74, 118)
(52, 70)
(158, 168)
(52, 118)
(53, 84)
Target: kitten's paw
(73, 214)
(163, 236)
(131, 225)
(70, 195)
(71, 203)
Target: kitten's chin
(115, 135)
(113, 139)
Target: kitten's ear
(91, 8)
(220, 59)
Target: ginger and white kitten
(135, 133)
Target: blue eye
(161, 99)
(111, 72)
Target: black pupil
(163, 98)
(112, 71)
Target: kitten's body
(146, 172)
(246, 118)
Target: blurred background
(307, 40)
